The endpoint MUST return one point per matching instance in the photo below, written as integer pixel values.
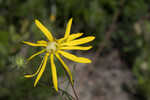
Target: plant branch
(111, 29)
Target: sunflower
(53, 47)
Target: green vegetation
(130, 34)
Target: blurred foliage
(131, 38)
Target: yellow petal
(32, 75)
(44, 30)
(74, 58)
(71, 37)
(54, 73)
(80, 41)
(42, 42)
(42, 69)
(34, 44)
(74, 36)
(60, 40)
(36, 54)
(67, 33)
(65, 67)
(76, 48)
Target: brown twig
(111, 29)
(75, 93)
(72, 86)
(66, 93)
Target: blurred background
(121, 51)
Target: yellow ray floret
(74, 58)
(76, 48)
(35, 44)
(42, 51)
(32, 75)
(71, 37)
(74, 36)
(46, 32)
(80, 41)
(67, 33)
(42, 42)
(54, 73)
(42, 69)
(65, 67)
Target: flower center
(51, 47)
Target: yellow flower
(54, 47)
